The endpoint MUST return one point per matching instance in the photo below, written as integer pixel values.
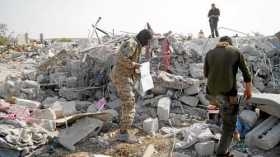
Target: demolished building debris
(61, 86)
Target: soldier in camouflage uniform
(124, 75)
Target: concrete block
(249, 117)
(205, 148)
(81, 129)
(269, 103)
(163, 108)
(176, 154)
(64, 108)
(266, 135)
(150, 125)
(189, 100)
(27, 103)
(30, 84)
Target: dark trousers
(214, 27)
(229, 111)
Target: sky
(73, 18)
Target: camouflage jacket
(130, 51)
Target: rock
(150, 125)
(266, 135)
(63, 109)
(79, 130)
(113, 112)
(189, 100)
(163, 108)
(114, 104)
(31, 84)
(49, 100)
(196, 70)
(249, 117)
(205, 148)
(27, 103)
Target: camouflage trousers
(125, 90)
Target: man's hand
(248, 90)
(136, 65)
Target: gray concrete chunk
(163, 108)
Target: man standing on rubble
(213, 16)
(124, 75)
(220, 68)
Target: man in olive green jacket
(220, 69)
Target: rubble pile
(67, 90)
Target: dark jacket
(221, 66)
(214, 11)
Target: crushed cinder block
(266, 135)
(189, 100)
(81, 129)
(163, 108)
(27, 103)
(205, 148)
(150, 125)
(249, 117)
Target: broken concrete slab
(163, 108)
(189, 100)
(103, 116)
(205, 148)
(269, 103)
(70, 136)
(266, 135)
(150, 125)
